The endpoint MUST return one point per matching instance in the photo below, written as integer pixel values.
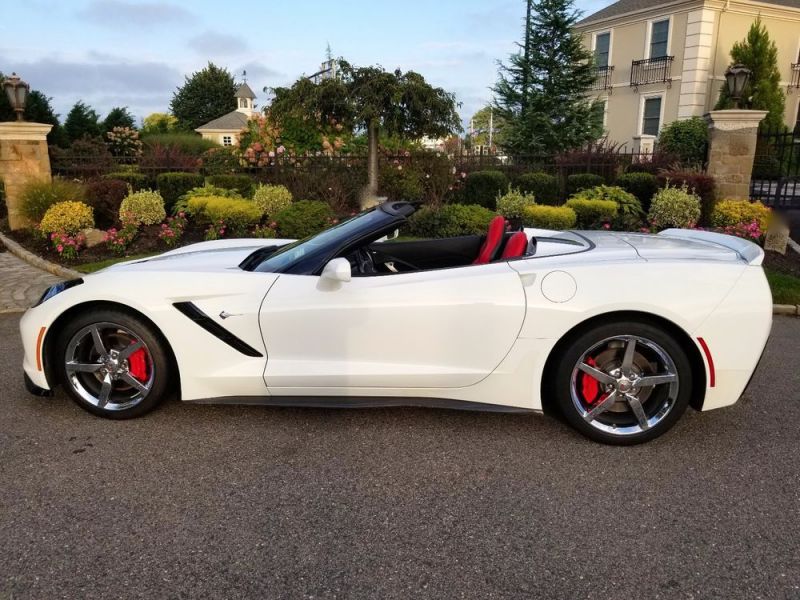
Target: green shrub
(544, 187)
(686, 140)
(593, 213)
(241, 183)
(629, 209)
(399, 182)
(237, 214)
(303, 218)
(38, 196)
(272, 199)
(641, 185)
(483, 187)
(220, 161)
(582, 181)
(144, 208)
(674, 207)
(513, 203)
(186, 143)
(728, 213)
(172, 186)
(549, 217)
(137, 181)
(105, 196)
(182, 205)
(450, 221)
(67, 217)
(697, 183)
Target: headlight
(57, 289)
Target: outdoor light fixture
(736, 77)
(17, 92)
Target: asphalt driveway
(234, 502)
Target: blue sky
(136, 52)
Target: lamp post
(736, 78)
(17, 92)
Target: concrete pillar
(23, 156)
(644, 144)
(732, 148)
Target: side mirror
(338, 270)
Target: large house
(225, 129)
(661, 61)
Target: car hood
(218, 255)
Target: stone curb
(37, 261)
(786, 309)
(794, 245)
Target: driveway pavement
(247, 502)
(21, 285)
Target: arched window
(242, 102)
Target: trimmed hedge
(549, 217)
(145, 207)
(137, 181)
(582, 181)
(543, 186)
(451, 220)
(172, 186)
(674, 207)
(483, 188)
(642, 185)
(237, 214)
(593, 213)
(303, 218)
(240, 183)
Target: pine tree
(541, 93)
(758, 53)
(119, 116)
(205, 96)
(82, 121)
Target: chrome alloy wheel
(624, 385)
(109, 366)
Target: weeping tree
(375, 101)
(758, 53)
(542, 91)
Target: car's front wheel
(623, 383)
(112, 364)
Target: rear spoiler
(749, 252)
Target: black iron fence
(795, 83)
(602, 78)
(775, 179)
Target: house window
(659, 36)
(227, 140)
(602, 47)
(242, 102)
(651, 116)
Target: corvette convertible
(617, 332)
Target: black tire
(663, 403)
(119, 331)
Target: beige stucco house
(662, 61)
(225, 130)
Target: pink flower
(60, 248)
(606, 226)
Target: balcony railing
(795, 76)
(651, 70)
(602, 80)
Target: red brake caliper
(137, 364)
(590, 387)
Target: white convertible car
(618, 332)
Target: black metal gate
(776, 169)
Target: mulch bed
(788, 264)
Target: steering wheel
(364, 262)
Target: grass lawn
(785, 288)
(102, 264)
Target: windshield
(322, 244)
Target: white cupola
(244, 99)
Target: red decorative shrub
(105, 197)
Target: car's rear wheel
(112, 364)
(623, 383)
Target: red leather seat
(488, 252)
(516, 246)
